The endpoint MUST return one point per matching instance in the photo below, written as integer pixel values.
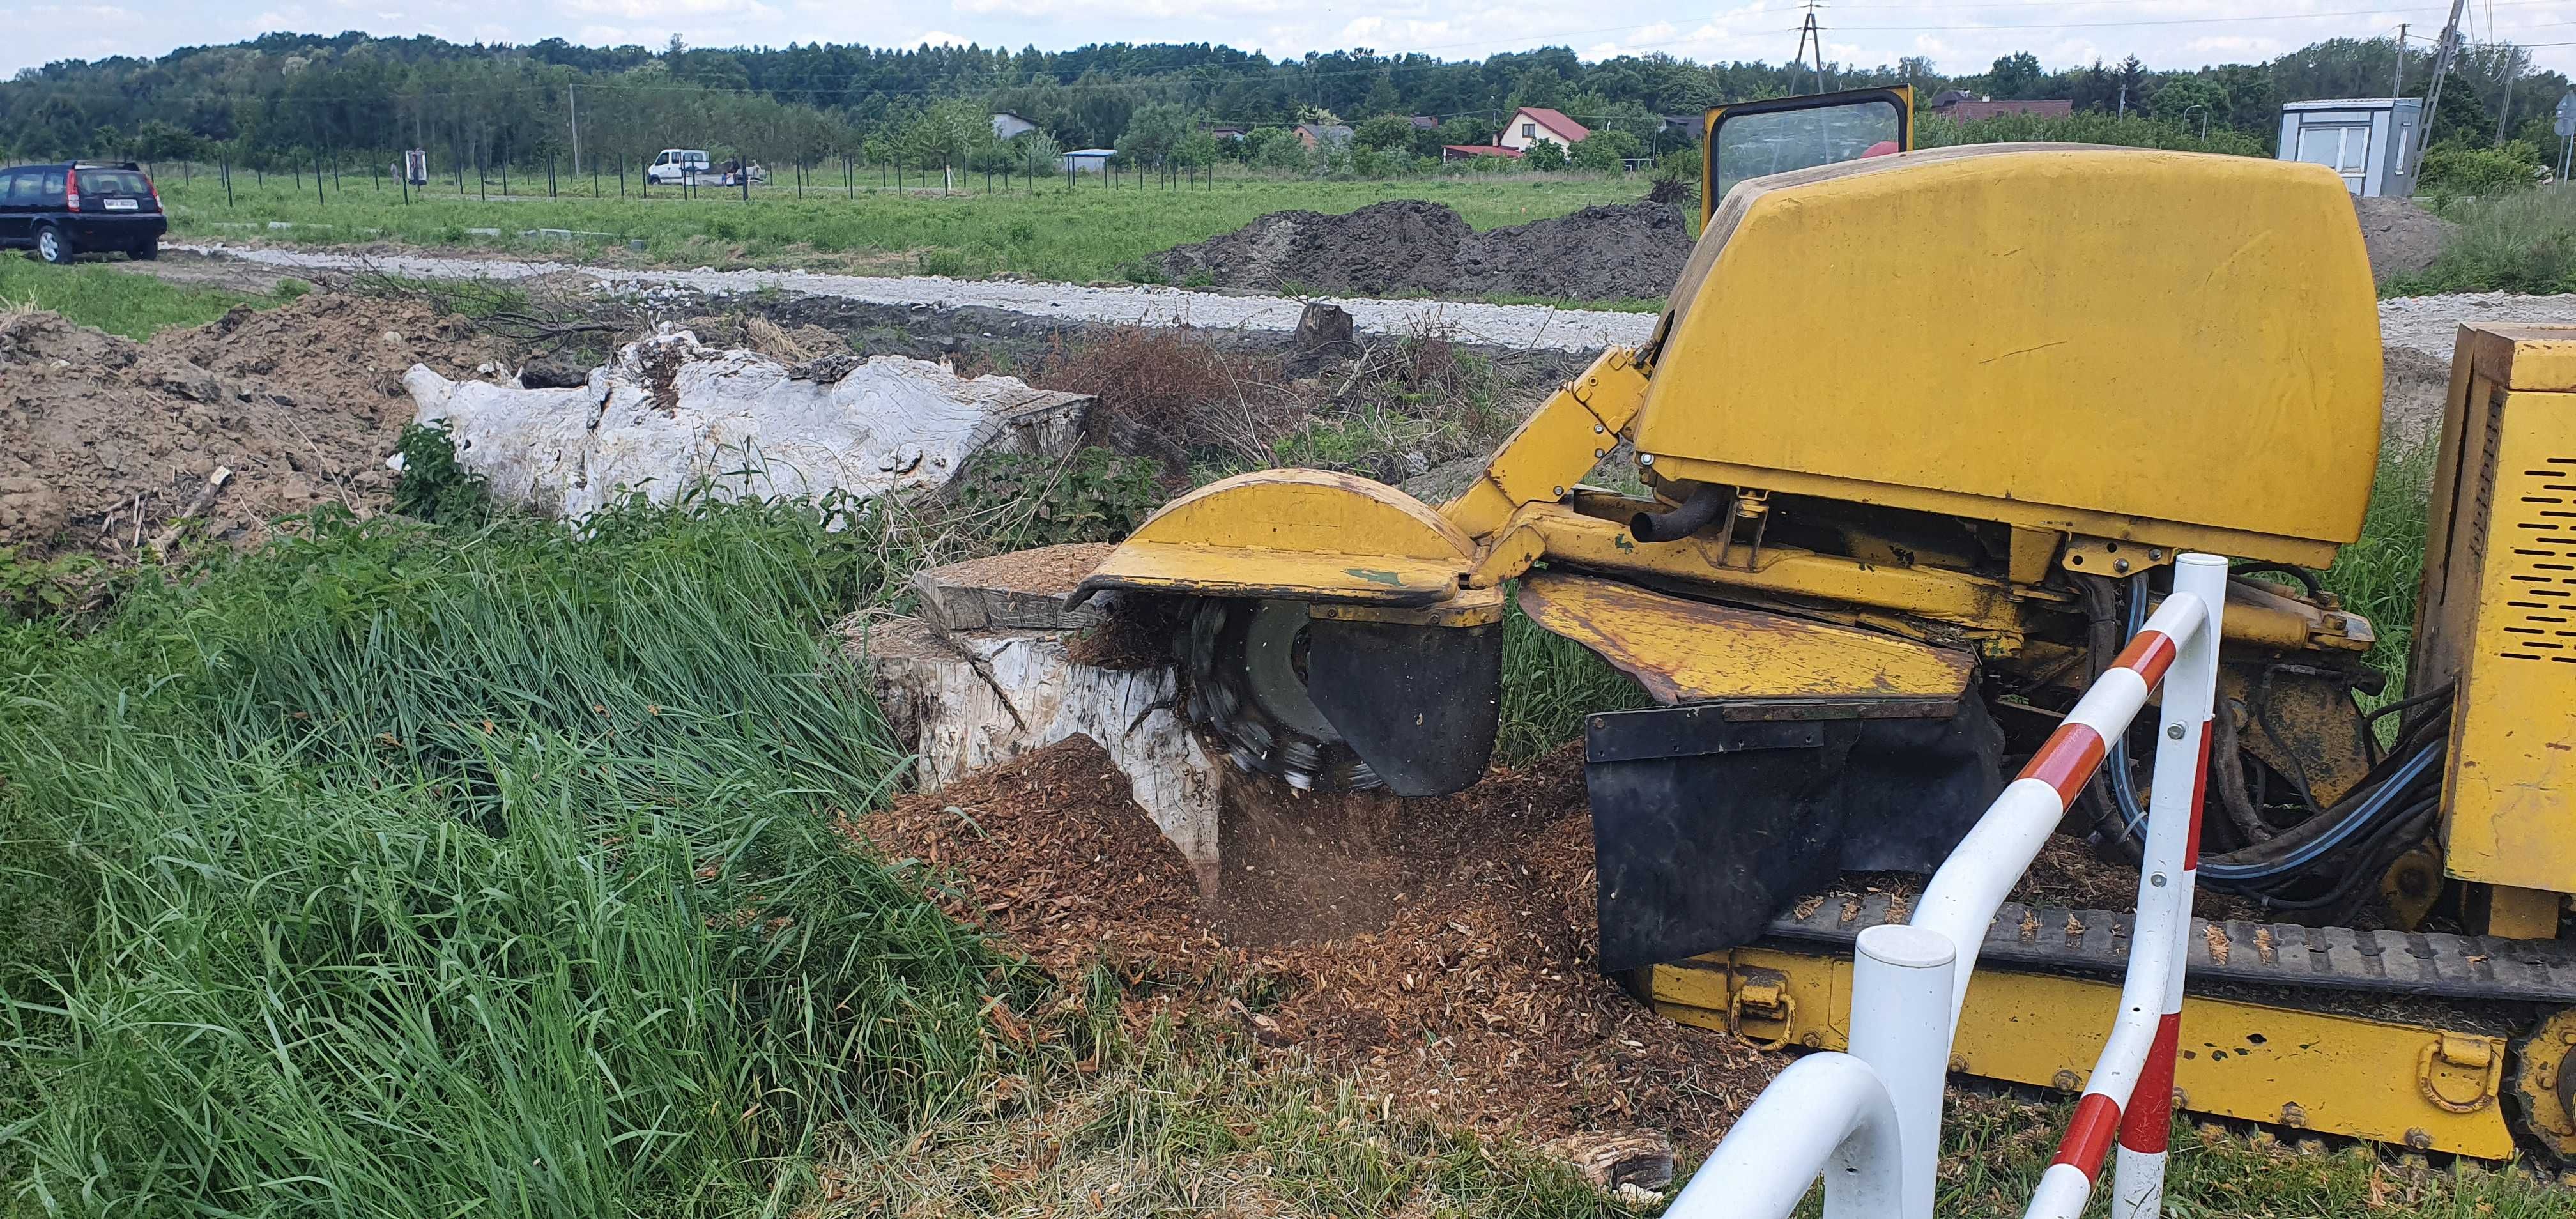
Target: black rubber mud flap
(1419, 704)
(1707, 819)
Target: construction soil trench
(1625, 251)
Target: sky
(1958, 37)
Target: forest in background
(285, 99)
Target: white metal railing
(1826, 1115)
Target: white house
(1006, 125)
(1530, 124)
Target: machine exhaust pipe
(1694, 513)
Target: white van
(677, 165)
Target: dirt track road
(2424, 324)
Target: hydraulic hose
(1702, 507)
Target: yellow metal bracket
(2405, 1084)
(2092, 556)
(1556, 446)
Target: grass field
(1089, 232)
(426, 869)
(2523, 242)
(117, 301)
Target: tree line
(292, 97)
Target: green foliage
(421, 871)
(1153, 134)
(1549, 684)
(2523, 241)
(1036, 154)
(2378, 575)
(37, 588)
(1607, 150)
(1386, 131)
(1097, 495)
(432, 486)
(2134, 131)
(2455, 169)
(1545, 155)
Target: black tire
(147, 251)
(53, 245)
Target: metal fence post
(1901, 978)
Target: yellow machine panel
(2499, 608)
(1942, 330)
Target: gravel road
(1501, 325)
(2422, 323)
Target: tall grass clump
(398, 870)
(2378, 575)
(2520, 242)
(1550, 683)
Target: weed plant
(2521, 242)
(120, 301)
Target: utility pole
(573, 105)
(2433, 90)
(2504, 112)
(2397, 84)
(1811, 34)
(2124, 100)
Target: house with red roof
(1530, 124)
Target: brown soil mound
(2402, 237)
(1413, 245)
(1402, 245)
(1470, 993)
(105, 443)
(1600, 253)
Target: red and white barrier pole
(1983, 868)
(2130, 1092)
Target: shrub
(2451, 170)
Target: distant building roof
(1479, 150)
(1332, 134)
(1093, 152)
(1971, 111)
(2349, 103)
(1951, 97)
(1556, 123)
(1422, 122)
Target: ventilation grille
(2538, 504)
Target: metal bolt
(1598, 454)
(2158, 880)
(2157, 555)
(2294, 1115)
(2173, 732)
(2419, 1138)
(1560, 492)
(1959, 1063)
(1597, 429)
(2120, 565)
(1645, 459)
(2065, 1081)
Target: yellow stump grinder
(1919, 435)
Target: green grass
(416, 872)
(1090, 232)
(120, 301)
(2378, 575)
(2523, 242)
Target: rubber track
(2274, 954)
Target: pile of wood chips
(1453, 972)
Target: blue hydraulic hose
(2371, 807)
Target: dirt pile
(1616, 252)
(2401, 236)
(1412, 245)
(105, 443)
(1459, 975)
